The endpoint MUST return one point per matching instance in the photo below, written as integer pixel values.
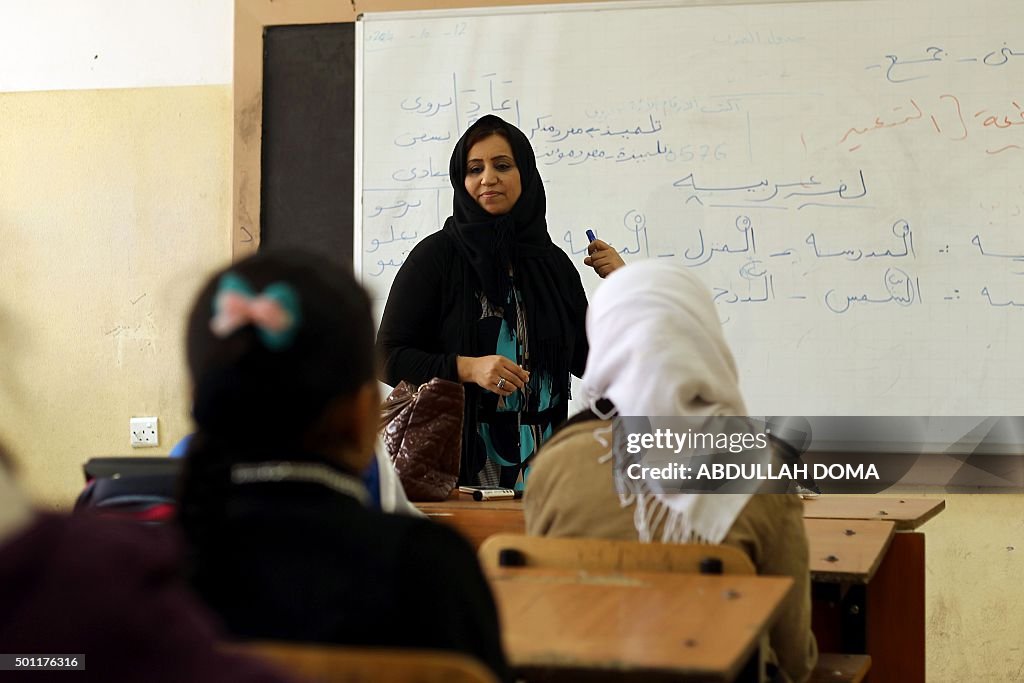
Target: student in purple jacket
(108, 590)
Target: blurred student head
(6, 461)
(280, 353)
(15, 512)
(281, 357)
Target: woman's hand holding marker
(602, 257)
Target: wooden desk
(476, 520)
(846, 551)
(464, 501)
(906, 513)
(870, 601)
(857, 554)
(566, 625)
(884, 617)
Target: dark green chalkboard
(307, 147)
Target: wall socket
(144, 432)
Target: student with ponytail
(283, 545)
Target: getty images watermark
(691, 442)
(833, 454)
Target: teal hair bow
(274, 312)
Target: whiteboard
(846, 177)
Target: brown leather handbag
(422, 431)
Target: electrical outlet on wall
(144, 432)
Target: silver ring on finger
(501, 383)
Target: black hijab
(547, 282)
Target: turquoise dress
(511, 437)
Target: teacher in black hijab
(491, 302)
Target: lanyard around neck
(306, 472)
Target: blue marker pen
(590, 235)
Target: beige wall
(975, 584)
(113, 206)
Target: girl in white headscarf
(657, 350)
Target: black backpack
(140, 488)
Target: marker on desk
(590, 235)
(496, 494)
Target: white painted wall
(99, 44)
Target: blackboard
(308, 106)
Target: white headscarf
(392, 495)
(657, 350)
(656, 346)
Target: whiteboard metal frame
(557, 8)
(357, 147)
